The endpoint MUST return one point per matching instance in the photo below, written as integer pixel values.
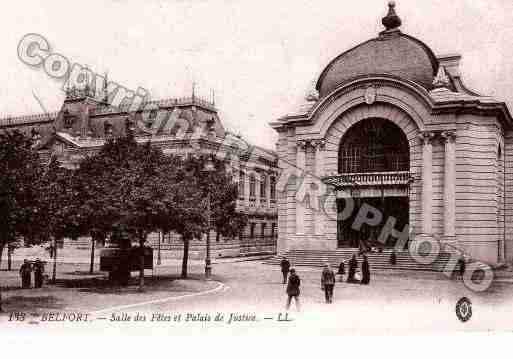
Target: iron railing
(369, 179)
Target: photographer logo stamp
(464, 309)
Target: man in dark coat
(293, 289)
(38, 273)
(25, 274)
(365, 271)
(461, 267)
(328, 282)
(341, 270)
(285, 266)
(352, 269)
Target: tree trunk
(1, 252)
(54, 272)
(91, 266)
(185, 258)
(141, 264)
(9, 258)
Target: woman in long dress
(352, 269)
(25, 274)
(365, 270)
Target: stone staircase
(377, 260)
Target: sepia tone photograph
(240, 167)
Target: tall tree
(57, 204)
(136, 187)
(19, 171)
(121, 189)
(218, 186)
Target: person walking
(293, 289)
(352, 269)
(38, 273)
(365, 270)
(285, 266)
(328, 282)
(461, 267)
(341, 271)
(25, 274)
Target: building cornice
(434, 101)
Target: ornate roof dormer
(441, 79)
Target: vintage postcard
(243, 167)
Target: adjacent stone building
(393, 126)
(178, 126)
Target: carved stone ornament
(318, 144)
(426, 137)
(441, 79)
(301, 144)
(448, 136)
(370, 95)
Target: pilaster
(427, 183)
(449, 184)
(319, 146)
(300, 172)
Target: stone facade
(458, 186)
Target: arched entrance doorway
(374, 163)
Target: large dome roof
(391, 53)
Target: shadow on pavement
(85, 273)
(102, 285)
(23, 303)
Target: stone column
(300, 173)
(257, 188)
(427, 183)
(268, 190)
(246, 186)
(319, 146)
(449, 184)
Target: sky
(260, 57)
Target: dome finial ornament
(391, 21)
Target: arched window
(34, 133)
(272, 186)
(263, 186)
(242, 188)
(107, 129)
(252, 185)
(68, 119)
(374, 145)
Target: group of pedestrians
(26, 270)
(328, 278)
(353, 266)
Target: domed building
(392, 150)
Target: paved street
(392, 301)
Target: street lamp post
(209, 168)
(159, 258)
(208, 263)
